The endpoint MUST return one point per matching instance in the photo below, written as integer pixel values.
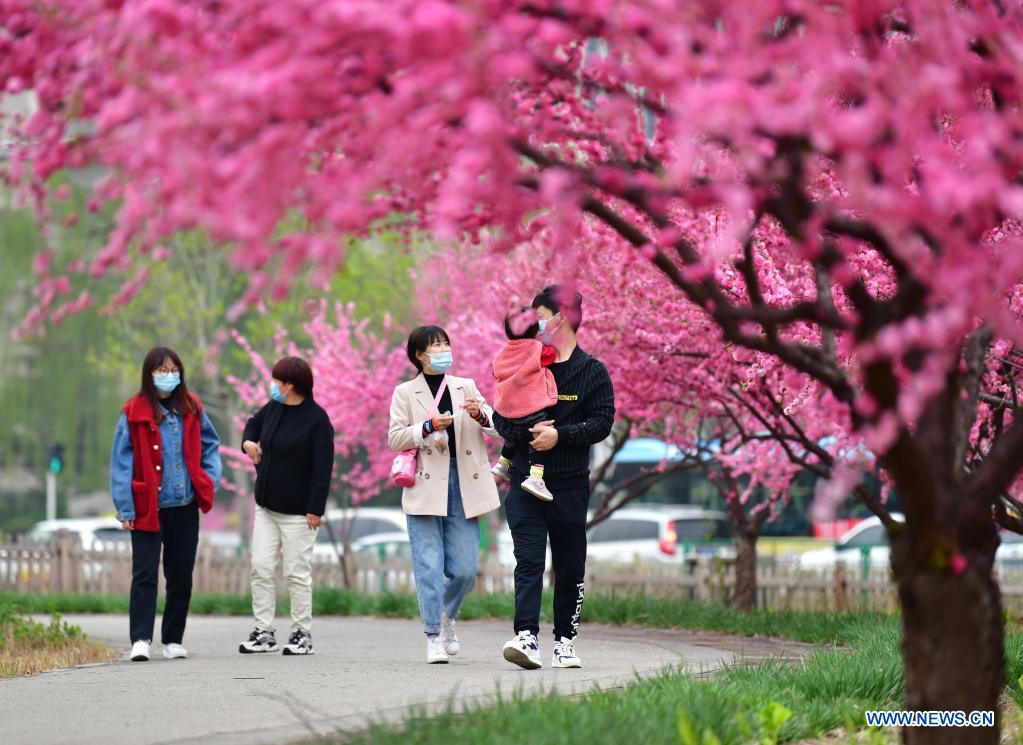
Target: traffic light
(56, 457)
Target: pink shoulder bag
(405, 465)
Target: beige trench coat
(411, 405)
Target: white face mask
(546, 334)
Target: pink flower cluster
(828, 192)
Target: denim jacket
(175, 485)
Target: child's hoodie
(524, 384)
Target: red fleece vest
(147, 446)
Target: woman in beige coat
(453, 485)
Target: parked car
(868, 535)
(1009, 556)
(656, 533)
(94, 532)
(358, 523)
(387, 546)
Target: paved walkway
(364, 670)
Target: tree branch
(632, 491)
(706, 293)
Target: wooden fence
(779, 586)
(62, 565)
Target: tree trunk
(953, 641)
(745, 596)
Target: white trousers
(287, 538)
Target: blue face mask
(275, 393)
(166, 382)
(440, 361)
(544, 322)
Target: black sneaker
(259, 641)
(299, 643)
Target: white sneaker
(174, 652)
(298, 643)
(447, 635)
(564, 654)
(538, 489)
(435, 654)
(524, 651)
(259, 641)
(140, 651)
(501, 471)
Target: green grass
(18, 629)
(857, 667)
(27, 646)
(619, 609)
(831, 690)
(768, 703)
(641, 610)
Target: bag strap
(440, 392)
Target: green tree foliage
(67, 384)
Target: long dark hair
(180, 400)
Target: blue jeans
(445, 552)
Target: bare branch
(636, 487)
(827, 301)
(875, 506)
(619, 442)
(864, 231)
(706, 293)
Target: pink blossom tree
(862, 157)
(723, 414)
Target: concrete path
(364, 670)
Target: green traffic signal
(56, 458)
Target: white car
(1009, 556)
(870, 536)
(660, 533)
(358, 524)
(867, 536)
(381, 547)
(94, 532)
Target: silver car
(671, 533)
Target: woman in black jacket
(291, 442)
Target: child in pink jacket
(525, 390)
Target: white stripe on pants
(287, 537)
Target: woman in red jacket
(525, 390)
(164, 468)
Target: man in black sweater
(582, 417)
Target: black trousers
(536, 457)
(179, 536)
(531, 522)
